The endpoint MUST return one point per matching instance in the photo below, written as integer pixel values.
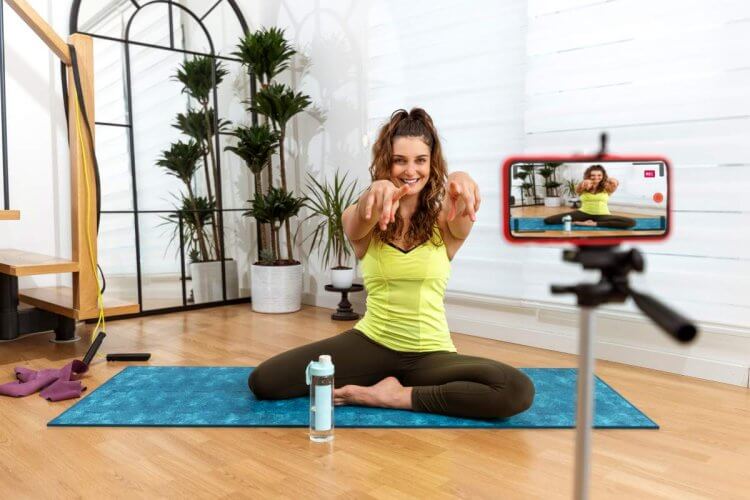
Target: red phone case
(579, 240)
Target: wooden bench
(10, 215)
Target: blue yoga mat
(178, 396)
(537, 224)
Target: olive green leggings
(614, 221)
(443, 382)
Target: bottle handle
(308, 379)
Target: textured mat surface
(180, 396)
(537, 224)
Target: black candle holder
(344, 311)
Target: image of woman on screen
(594, 191)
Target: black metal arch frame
(219, 211)
(3, 114)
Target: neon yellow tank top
(595, 204)
(405, 292)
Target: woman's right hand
(587, 184)
(382, 201)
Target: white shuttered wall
(668, 77)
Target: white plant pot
(276, 289)
(207, 281)
(342, 278)
(552, 201)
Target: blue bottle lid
(323, 367)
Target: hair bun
(420, 114)
(399, 113)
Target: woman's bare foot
(587, 222)
(388, 393)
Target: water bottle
(567, 223)
(319, 376)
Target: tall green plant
(266, 53)
(200, 76)
(328, 202)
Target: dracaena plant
(327, 203)
(193, 216)
(181, 160)
(265, 53)
(274, 208)
(280, 103)
(255, 146)
(200, 76)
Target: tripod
(612, 287)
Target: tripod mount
(613, 286)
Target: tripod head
(613, 286)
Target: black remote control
(129, 356)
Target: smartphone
(586, 200)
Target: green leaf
(181, 160)
(255, 145)
(265, 53)
(279, 103)
(193, 124)
(199, 76)
(327, 202)
(275, 206)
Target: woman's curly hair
(415, 123)
(603, 184)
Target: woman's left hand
(462, 188)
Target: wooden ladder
(78, 302)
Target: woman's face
(596, 176)
(411, 164)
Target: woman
(405, 229)
(594, 191)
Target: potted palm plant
(276, 282)
(569, 187)
(195, 212)
(328, 202)
(551, 185)
(266, 53)
(199, 77)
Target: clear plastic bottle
(319, 376)
(567, 223)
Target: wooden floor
(701, 451)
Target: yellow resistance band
(101, 322)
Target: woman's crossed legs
(370, 374)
